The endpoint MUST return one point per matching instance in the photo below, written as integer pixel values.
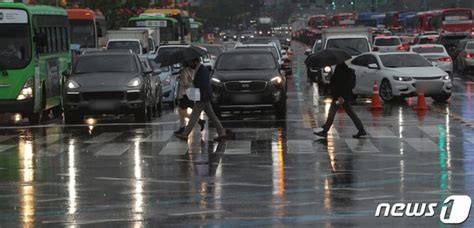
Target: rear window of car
(404, 60)
(272, 49)
(246, 61)
(470, 46)
(168, 50)
(387, 42)
(428, 40)
(105, 63)
(428, 50)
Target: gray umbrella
(327, 57)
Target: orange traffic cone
(420, 102)
(376, 104)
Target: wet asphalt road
(271, 173)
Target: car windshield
(15, 48)
(83, 33)
(470, 46)
(428, 40)
(105, 63)
(353, 46)
(124, 45)
(422, 50)
(404, 60)
(272, 49)
(387, 42)
(246, 61)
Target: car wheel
(72, 118)
(386, 92)
(141, 114)
(441, 98)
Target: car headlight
(327, 69)
(71, 84)
(243, 37)
(288, 40)
(225, 37)
(235, 37)
(134, 82)
(402, 78)
(216, 82)
(252, 36)
(446, 77)
(27, 90)
(276, 80)
(260, 32)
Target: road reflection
(27, 176)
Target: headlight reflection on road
(27, 174)
(72, 173)
(138, 184)
(278, 175)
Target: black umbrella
(327, 57)
(179, 56)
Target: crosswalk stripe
(104, 137)
(422, 144)
(238, 147)
(161, 136)
(300, 146)
(380, 132)
(175, 148)
(113, 149)
(4, 148)
(333, 133)
(50, 138)
(361, 145)
(432, 131)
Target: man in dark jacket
(341, 86)
(203, 82)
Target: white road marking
(113, 149)
(104, 137)
(380, 132)
(175, 148)
(361, 145)
(432, 131)
(422, 144)
(238, 147)
(160, 136)
(300, 146)
(4, 148)
(6, 137)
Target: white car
(435, 53)
(388, 44)
(426, 39)
(399, 75)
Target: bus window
(14, 46)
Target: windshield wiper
(353, 49)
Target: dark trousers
(350, 112)
(207, 108)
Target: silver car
(437, 54)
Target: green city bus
(34, 58)
(197, 32)
(169, 28)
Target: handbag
(193, 94)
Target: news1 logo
(455, 209)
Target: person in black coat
(342, 82)
(202, 81)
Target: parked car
(400, 74)
(108, 83)
(388, 44)
(464, 56)
(248, 79)
(435, 53)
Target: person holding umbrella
(203, 82)
(341, 85)
(185, 81)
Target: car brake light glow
(427, 46)
(468, 55)
(445, 59)
(401, 48)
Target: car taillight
(468, 55)
(445, 59)
(400, 48)
(375, 49)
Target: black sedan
(248, 79)
(108, 83)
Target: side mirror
(373, 66)
(307, 52)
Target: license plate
(103, 105)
